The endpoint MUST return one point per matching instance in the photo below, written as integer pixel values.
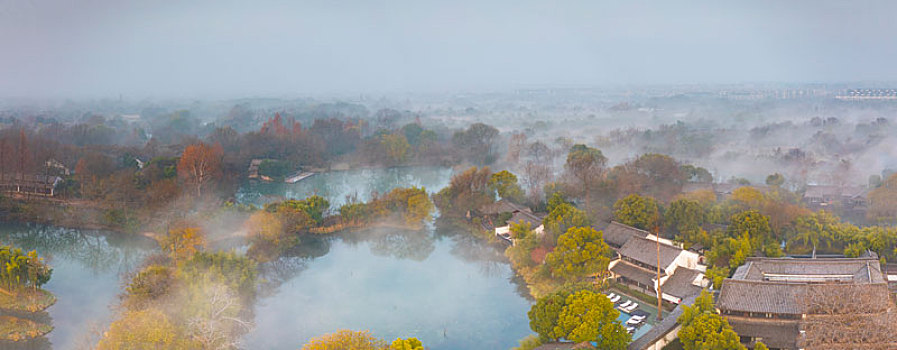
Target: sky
(197, 49)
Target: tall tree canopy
(580, 252)
(200, 164)
(589, 316)
(637, 211)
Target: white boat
(297, 177)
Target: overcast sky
(158, 48)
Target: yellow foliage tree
(145, 329)
(346, 340)
(182, 243)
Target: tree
(580, 252)
(692, 173)
(752, 223)
(148, 329)
(515, 147)
(477, 141)
(150, 284)
(637, 211)
(883, 201)
(586, 164)
(562, 217)
(505, 184)
(543, 315)
(396, 147)
(200, 164)
(704, 329)
(831, 322)
(589, 316)
(183, 243)
(684, 216)
(346, 340)
(406, 344)
(775, 180)
(816, 228)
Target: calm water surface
(87, 274)
(450, 291)
(336, 185)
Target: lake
(336, 186)
(438, 284)
(447, 289)
(88, 267)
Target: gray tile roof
(791, 298)
(634, 273)
(837, 192)
(645, 251)
(617, 234)
(862, 270)
(680, 283)
(780, 334)
(501, 206)
(761, 297)
(526, 217)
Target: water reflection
(337, 185)
(98, 251)
(88, 267)
(447, 289)
(415, 245)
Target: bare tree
(218, 325)
(848, 316)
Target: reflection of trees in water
(490, 259)
(39, 343)
(98, 252)
(416, 245)
(274, 273)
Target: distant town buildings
(867, 94)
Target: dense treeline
(21, 269)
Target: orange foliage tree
(200, 164)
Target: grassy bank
(26, 300)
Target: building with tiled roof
(771, 299)
(680, 272)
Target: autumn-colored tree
(586, 164)
(148, 329)
(200, 164)
(396, 147)
(406, 344)
(504, 183)
(346, 340)
(182, 243)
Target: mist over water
(89, 268)
(397, 284)
(335, 186)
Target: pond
(449, 290)
(336, 186)
(88, 270)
